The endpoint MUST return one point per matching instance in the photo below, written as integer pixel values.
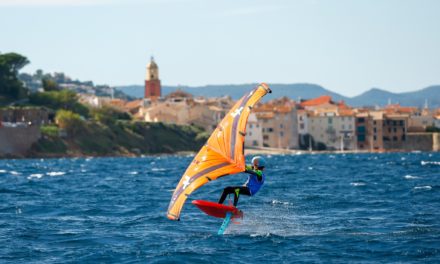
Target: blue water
(363, 208)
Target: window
(265, 137)
(343, 127)
(250, 133)
(374, 122)
(375, 130)
(281, 134)
(330, 120)
(374, 138)
(401, 122)
(361, 129)
(361, 120)
(361, 138)
(251, 126)
(394, 138)
(281, 126)
(301, 126)
(403, 138)
(270, 129)
(395, 130)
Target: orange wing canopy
(223, 154)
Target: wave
(426, 187)
(358, 183)
(158, 169)
(410, 177)
(36, 176)
(430, 163)
(3, 171)
(55, 173)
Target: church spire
(152, 81)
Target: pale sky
(345, 46)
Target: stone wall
(422, 141)
(29, 115)
(17, 141)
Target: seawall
(16, 141)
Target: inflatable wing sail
(223, 154)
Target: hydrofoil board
(218, 210)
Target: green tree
(10, 85)
(50, 85)
(109, 115)
(56, 100)
(70, 122)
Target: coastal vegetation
(57, 100)
(127, 138)
(110, 132)
(79, 130)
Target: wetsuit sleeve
(257, 173)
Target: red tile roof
(325, 99)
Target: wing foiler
(223, 154)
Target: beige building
(395, 127)
(303, 121)
(182, 109)
(379, 130)
(419, 122)
(278, 120)
(369, 130)
(336, 132)
(254, 132)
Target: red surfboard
(217, 210)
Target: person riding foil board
(253, 183)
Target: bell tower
(152, 82)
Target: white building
(336, 132)
(254, 134)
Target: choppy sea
(325, 208)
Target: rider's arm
(250, 170)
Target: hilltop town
(313, 124)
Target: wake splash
(272, 219)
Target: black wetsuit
(244, 189)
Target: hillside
(295, 91)
(123, 138)
(380, 97)
(372, 97)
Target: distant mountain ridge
(372, 97)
